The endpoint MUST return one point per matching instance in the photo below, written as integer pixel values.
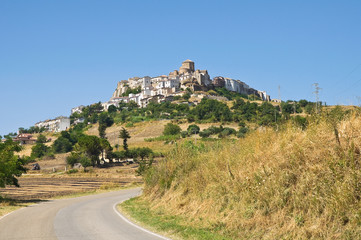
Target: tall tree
(124, 134)
(11, 166)
(106, 148)
(91, 147)
(101, 130)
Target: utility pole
(294, 107)
(316, 92)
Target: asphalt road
(81, 218)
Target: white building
(236, 86)
(55, 125)
(78, 109)
(172, 83)
(264, 95)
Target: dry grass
(150, 129)
(42, 185)
(290, 184)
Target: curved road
(81, 218)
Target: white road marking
(135, 225)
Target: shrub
(72, 159)
(242, 132)
(184, 134)
(227, 132)
(205, 133)
(193, 129)
(171, 129)
(300, 121)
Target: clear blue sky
(55, 55)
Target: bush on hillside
(193, 129)
(171, 129)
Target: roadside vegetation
(176, 227)
(300, 181)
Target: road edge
(133, 224)
(3, 216)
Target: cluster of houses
(51, 125)
(165, 87)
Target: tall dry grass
(287, 184)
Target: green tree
(212, 110)
(205, 133)
(124, 134)
(121, 155)
(11, 165)
(90, 146)
(101, 129)
(144, 152)
(62, 145)
(85, 162)
(193, 129)
(79, 158)
(171, 129)
(116, 146)
(227, 132)
(73, 158)
(146, 159)
(242, 131)
(303, 102)
(39, 150)
(112, 109)
(41, 139)
(106, 149)
(105, 119)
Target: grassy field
(286, 184)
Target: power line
(358, 100)
(316, 92)
(341, 83)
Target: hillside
(286, 184)
(144, 130)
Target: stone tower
(187, 67)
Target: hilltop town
(143, 90)
(164, 87)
